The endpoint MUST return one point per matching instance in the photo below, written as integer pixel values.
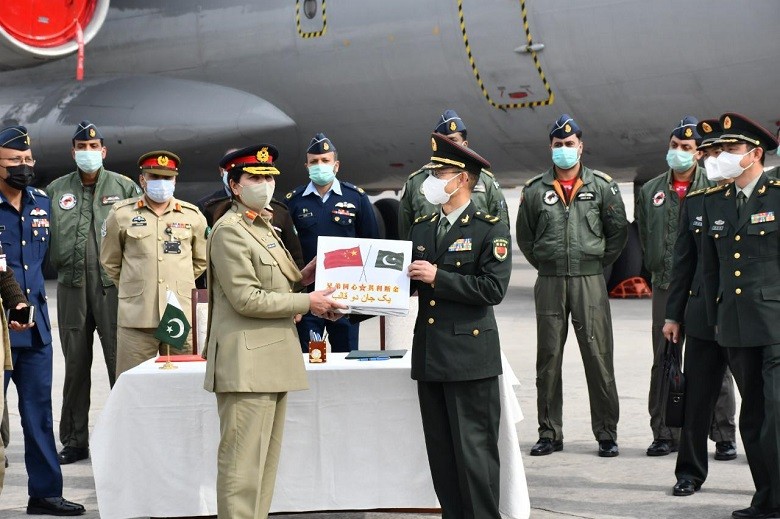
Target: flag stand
(168, 364)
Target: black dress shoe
(685, 487)
(661, 448)
(754, 513)
(608, 449)
(725, 451)
(53, 506)
(72, 455)
(546, 446)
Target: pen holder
(318, 352)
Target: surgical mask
(725, 166)
(322, 174)
(679, 160)
(257, 196)
(160, 190)
(565, 158)
(89, 161)
(19, 177)
(433, 189)
(225, 182)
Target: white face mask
(434, 189)
(257, 196)
(725, 166)
(89, 161)
(160, 190)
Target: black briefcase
(673, 384)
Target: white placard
(370, 276)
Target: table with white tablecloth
(354, 440)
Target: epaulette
(228, 219)
(354, 187)
(125, 202)
(488, 173)
(602, 175)
(697, 192)
(188, 205)
(425, 217)
(290, 194)
(421, 170)
(715, 189)
(489, 218)
(774, 182)
(216, 200)
(40, 192)
(534, 179)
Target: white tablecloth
(352, 441)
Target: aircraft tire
(388, 208)
(380, 222)
(629, 263)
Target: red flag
(343, 258)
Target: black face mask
(19, 177)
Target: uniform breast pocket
(139, 242)
(40, 240)
(719, 231)
(304, 221)
(183, 237)
(458, 261)
(343, 218)
(266, 269)
(593, 239)
(765, 236)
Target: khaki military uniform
(146, 255)
(253, 356)
(487, 197)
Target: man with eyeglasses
(24, 233)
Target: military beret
(738, 128)
(686, 129)
(255, 160)
(449, 123)
(564, 127)
(710, 131)
(320, 145)
(15, 137)
(86, 131)
(160, 162)
(447, 154)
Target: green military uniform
(487, 197)
(86, 296)
(569, 245)
(658, 215)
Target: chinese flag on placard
(343, 258)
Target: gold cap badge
(325, 146)
(727, 122)
(567, 128)
(688, 132)
(433, 144)
(91, 132)
(706, 127)
(162, 160)
(453, 126)
(262, 155)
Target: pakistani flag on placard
(386, 259)
(174, 326)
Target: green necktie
(444, 226)
(741, 199)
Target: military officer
(25, 214)
(461, 269)
(657, 214)
(709, 391)
(741, 270)
(151, 244)
(328, 207)
(487, 194)
(570, 225)
(86, 297)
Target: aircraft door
(493, 32)
(310, 19)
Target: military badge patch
(38, 212)
(138, 221)
(500, 248)
(688, 132)
(659, 198)
(92, 132)
(586, 196)
(433, 144)
(706, 127)
(453, 126)
(550, 197)
(103, 229)
(68, 201)
(726, 122)
(162, 160)
(111, 199)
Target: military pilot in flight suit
(151, 244)
(461, 267)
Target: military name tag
(138, 221)
(305, 214)
(718, 225)
(462, 244)
(769, 216)
(172, 247)
(698, 221)
(110, 199)
(271, 245)
(586, 196)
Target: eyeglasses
(18, 161)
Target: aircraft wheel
(389, 208)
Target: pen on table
(376, 358)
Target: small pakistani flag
(386, 259)
(174, 326)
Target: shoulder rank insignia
(486, 217)
(534, 179)
(425, 217)
(500, 248)
(715, 189)
(773, 182)
(697, 192)
(488, 173)
(602, 175)
(289, 195)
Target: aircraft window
(310, 8)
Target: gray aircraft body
(197, 77)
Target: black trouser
(709, 406)
(460, 422)
(757, 374)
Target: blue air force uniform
(344, 210)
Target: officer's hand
(672, 332)
(421, 270)
(17, 326)
(332, 316)
(320, 302)
(308, 272)
(297, 318)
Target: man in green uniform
(461, 268)
(86, 297)
(570, 225)
(487, 195)
(741, 272)
(658, 214)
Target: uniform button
(275, 264)
(24, 243)
(737, 237)
(269, 233)
(717, 236)
(457, 263)
(738, 291)
(159, 238)
(291, 290)
(159, 258)
(737, 255)
(432, 303)
(28, 290)
(430, 320)
(26, 267)
(22, 218)
(433, 285)
(737, 273)
(697, 231)
(762, 233)
(160, 280)
(690, 292)
(43, 239)
(475, 332)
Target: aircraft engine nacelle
(33, 32)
